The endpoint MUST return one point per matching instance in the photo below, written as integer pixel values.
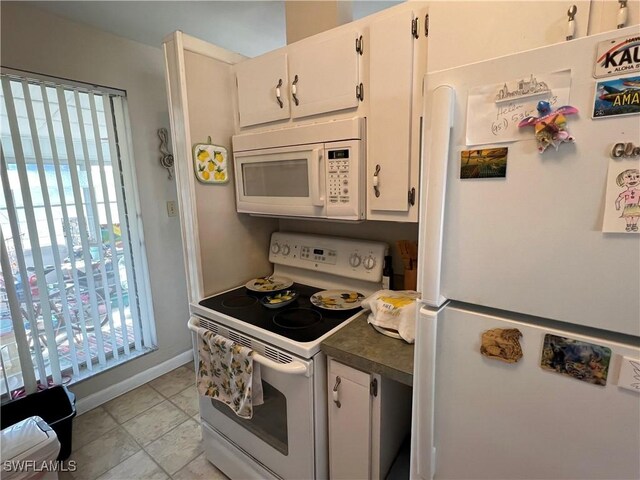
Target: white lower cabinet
(369, 416)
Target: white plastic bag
(394, 310)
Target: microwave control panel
(339, 166)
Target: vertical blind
(73, 267)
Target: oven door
(280, 436)
(287, 181)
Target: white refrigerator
(526, 251)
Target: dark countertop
(359, 345)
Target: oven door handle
(292, 368)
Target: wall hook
(166, 158)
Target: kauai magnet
(502, 344)
(550, 125)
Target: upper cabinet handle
(294, 90)
(622, 13)
(278, 96)
(571, 25)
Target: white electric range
(287, 436)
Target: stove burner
(239, 301)
(297, 318)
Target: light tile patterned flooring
(152, 432)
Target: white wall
(37, 41)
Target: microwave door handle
(317, 198)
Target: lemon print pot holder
(210, 163)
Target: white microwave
(313, 171)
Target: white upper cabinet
(397, 60)
(323, 74)
(263, 89)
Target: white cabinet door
(396, 66)
(349, 423)
(258, 80)
(325, 74)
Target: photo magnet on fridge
(617, 97)
(585, 361)
(484, 163)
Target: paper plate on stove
(268, 284)
(337, 299)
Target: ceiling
(247, 27)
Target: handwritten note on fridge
(490, 121)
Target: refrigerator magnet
(502, 344)
(210, 163)
(550, 126)
(629, 376)
(617, 56)
(617, 97)
(484, 163)
(581, 360)
(622, 197)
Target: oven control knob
(286, 249)
(369, 262)
(275, 248)
(355, 260)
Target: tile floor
(150, 433)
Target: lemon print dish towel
(210, 163)
(227, 373)
(394, 311)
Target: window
(74, 287)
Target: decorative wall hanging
(617, 97)
(581, 360)
(210, 163)
(166, 159)
(502, 344)
(550, 125)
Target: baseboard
(103, 396)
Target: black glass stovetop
(300, 321)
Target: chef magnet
(210, 163)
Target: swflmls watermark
(39, 466)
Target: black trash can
(55, 405)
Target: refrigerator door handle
(423, 447)
(438, 108)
